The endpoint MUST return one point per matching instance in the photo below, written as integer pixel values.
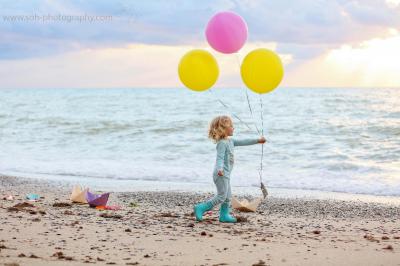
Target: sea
(334, 142)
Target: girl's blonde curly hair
(218, 126)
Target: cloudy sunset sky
(124, 44)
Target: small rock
(388, 247)
(107, 215)
(259, 263)
(62, 204)
(241, 219)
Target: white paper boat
(245, 205)
(78, 194)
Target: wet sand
(158, 228)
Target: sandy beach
(158, 228)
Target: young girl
(220, 129)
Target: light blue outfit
(225, 160)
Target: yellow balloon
(198, 70)
(262, 70)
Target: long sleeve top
(225, 154)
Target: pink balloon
(226, 32)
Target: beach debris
(241, 219)
(97, 199)
(111, 208)
(316, 232)
(113, 216)
(245, 205)
(133, 204)
(203, 233)
(8, 197)
(11, 264)
(59, 255)
(259, 263)
(168, 214)
(74, 223)
(371, 238)
(388, 247)
(24, 205)
(20, 207)
(32, 197)
(78, 195)
(62, 205)
(385, 238)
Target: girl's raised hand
(262, 140)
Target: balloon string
(233, 114)
(262, 186)
(262, 145)
(247, 97)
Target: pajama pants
(224, 195)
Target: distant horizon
(214, 88)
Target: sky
(125, 44)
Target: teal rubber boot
(224, 216)
(200, 209)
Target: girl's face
(229, 130)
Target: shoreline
(161, 230)
(121, 185)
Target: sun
(374, 62)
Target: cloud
(302, 22)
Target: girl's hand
(262, 140)
(220, 172)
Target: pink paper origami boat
(97, 199)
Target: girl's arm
(221, 148)
(245, 142)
